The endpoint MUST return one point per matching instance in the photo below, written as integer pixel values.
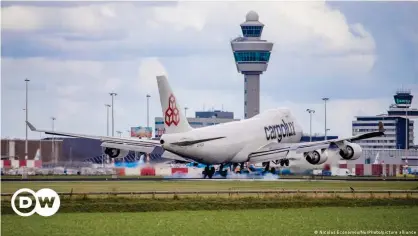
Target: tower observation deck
(402, 107)
(251, 56)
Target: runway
(293, 179)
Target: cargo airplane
(268, 136)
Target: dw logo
(46, 202)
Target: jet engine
(316, 157)
(116, 153)
(351, 151)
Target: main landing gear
(241, 168)
(284, 162)
(209, 172)
(267, 168)
(223, 172)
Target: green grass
(242, 222)
(91, 186)
(125, 204)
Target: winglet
(31, 127)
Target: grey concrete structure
(215, 113)
(387, 156)
(194, 122)
(251, 56)
(58, 150)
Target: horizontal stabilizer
(31, 127)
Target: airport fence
(276, 193)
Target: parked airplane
(268, 136)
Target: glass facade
(402, 113)
(403, 99)
(251, 31)
(251, 56)
(397, 136)
(216, 113)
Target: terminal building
(201, 119)
(399, 128)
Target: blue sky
(75, 53)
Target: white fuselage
(236, 140)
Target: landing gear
(241, 168)
(284, 162)
(209, 172)
(205, 172)
(223, 172)
(234, 167)
(212, 172)
(112, 152)
(266, 166)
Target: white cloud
(294, 26)
(80, 19)
(185, 14)
(21, 18)
(312, 40)
(340, 112)
(79, 107)
(148, 69)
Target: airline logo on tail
(172, 115)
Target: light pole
(107, 119)
(310, 123)
(148, 96)
(325, 102)
(113, 117)
(53, 146)
(185, 111)
(26, 111)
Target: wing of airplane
(129, 144)
(133, 141)
(274, 149)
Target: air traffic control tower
(251, 57)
